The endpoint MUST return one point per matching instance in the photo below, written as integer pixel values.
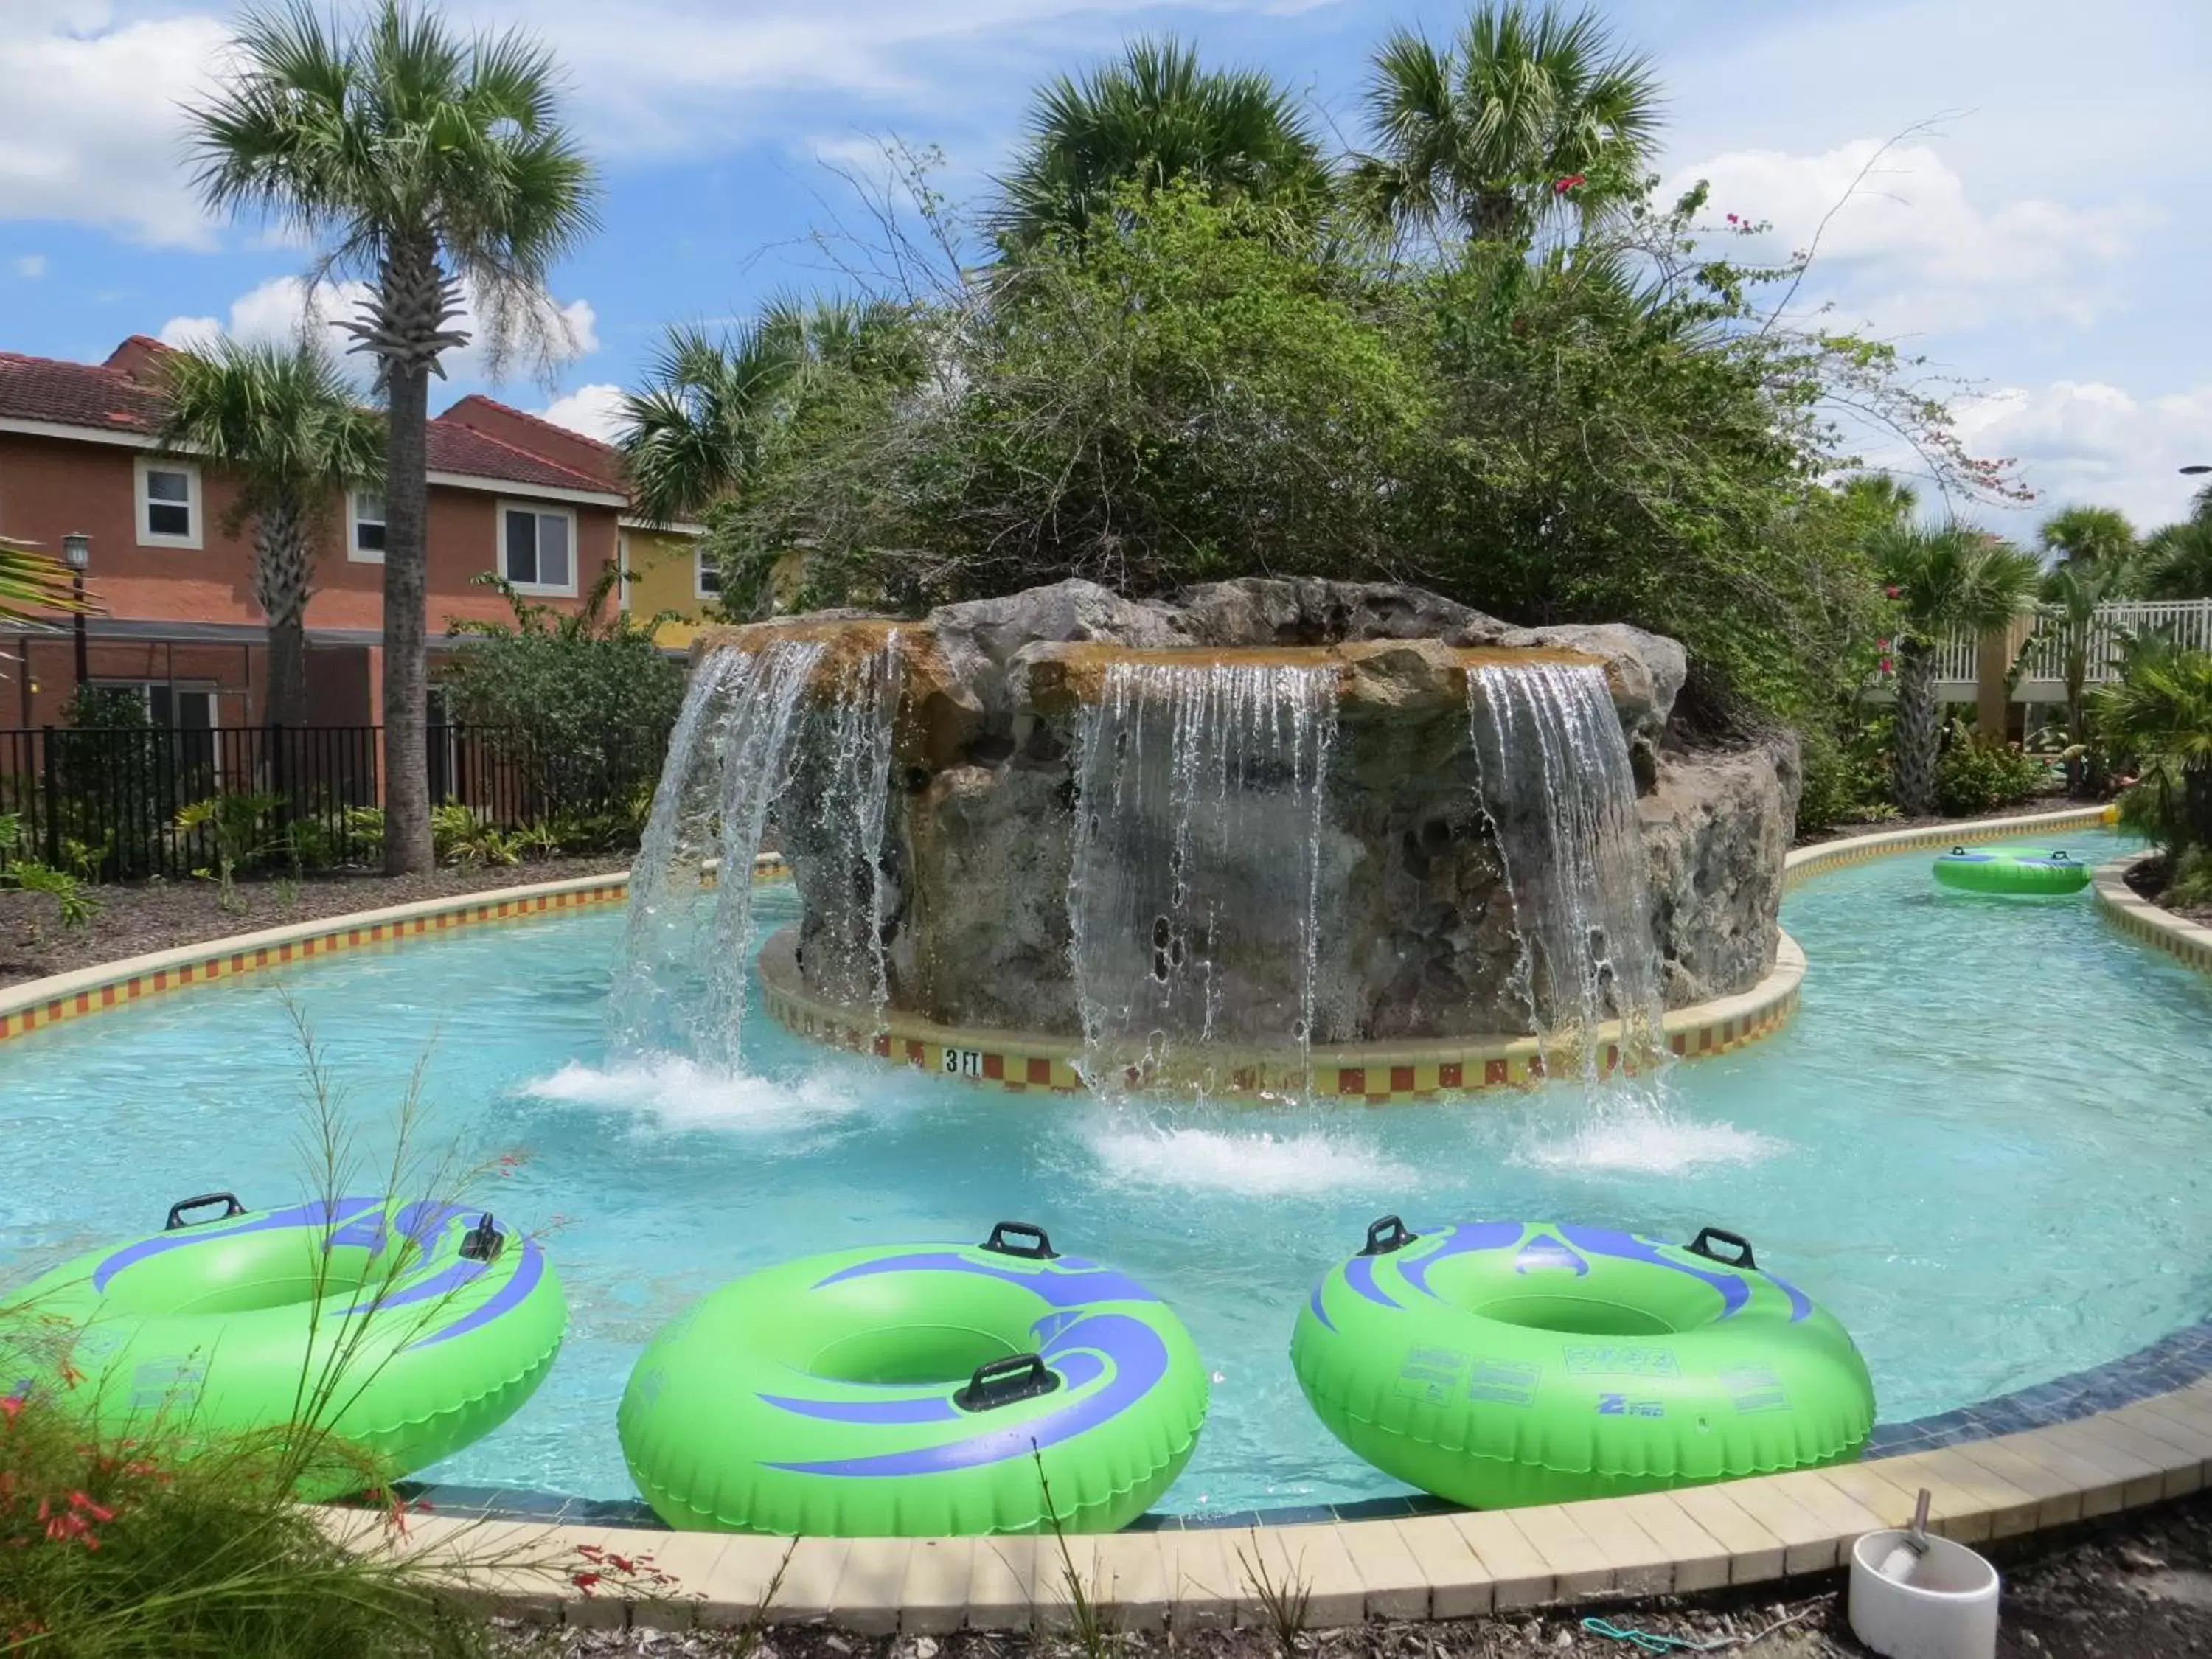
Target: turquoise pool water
(1985, 1143)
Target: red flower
(1562, 186)
(1734, 220)
(98, 1511)
(10, 1407)
(586, 1581)
(1891, 592)
(1885, 664)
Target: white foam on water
(1649, 1141)
(1258, 1162)
(679, 1093)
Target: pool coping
(2135, 916)
(1987, 1484)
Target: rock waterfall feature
(1207, 837)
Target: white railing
(2188, 621)
(1957, 660)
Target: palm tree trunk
(1920, 730)
(282, 566)
(2196, 805)
(407, 849)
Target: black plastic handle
(1005, 1245)
(1708, 1236)
(231, 1206)
(2058, 856)
(1386, 1235)
(483, 1241)
(1959, 851)
(1002, 1381)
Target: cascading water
(832, 823)
(1558, 788)
(1195, 897)
(729, 758)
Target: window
(168, 503)
(708, 584)
(537, 547)
(366, 545)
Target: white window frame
(543, 510)
(142, 506)
(699, 588)
(354, 519)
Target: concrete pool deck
(2135, 1433)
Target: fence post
(53, 798)
(279, 780)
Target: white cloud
(93, 130)
(595, 410)
(1909, 247)
(29, 266)
(281, 307)
(2090, 441)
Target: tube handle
(1002, 1381)
(1386, 1235)
(1005, 1237)
(1708, 1236)
(228, 1200)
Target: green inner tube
(1504, 1363)
(409, 1328)
(2033, 871)
(916, 1390)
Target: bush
(1845, 781)
(1982, 777)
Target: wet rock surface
(1410, 889)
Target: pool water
(1983, 1143)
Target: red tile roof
(64, 393)
(578, 451)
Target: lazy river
(1982, 1142)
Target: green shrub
(1845, 781)
(1983, 777)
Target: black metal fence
(126, 803)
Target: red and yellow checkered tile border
(1376, 1075)
(2137, 916)
(46, 1002)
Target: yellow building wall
(664, 576)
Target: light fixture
(76, 551)
(2195, 472)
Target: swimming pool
(1981, 1143)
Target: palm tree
(421, 162)
(2072, 594)
(1155, 116)
(34, 586)
(2090, 533)
(286, 422)
(1521, 114)
(694, 433)
(2177, 561)
(1945, 582)
(2159, 711)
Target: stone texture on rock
(982, 830)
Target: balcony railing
(2043, 661)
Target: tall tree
(287, 424)
(1524, 112)
(1946, 582)
(2089, 533)
(425, 163)
(2073, 592)
(1156, 115)
(2177, 561)
(694, 431)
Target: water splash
(1561, 795)
(680, 987)
(1195, 894)
(1254, 1163)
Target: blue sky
(2044, 235)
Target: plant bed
(136, 919)
(2040, 803)
(2150, 878)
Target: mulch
(136, 919)
(1878, 826)
(2136, 1587)
(2148, 878)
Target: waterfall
(832, 825)
(1557, 786)
(1195, 894)
(728, 759)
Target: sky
(2035, 228)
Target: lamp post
(77, 554)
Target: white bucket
(1946, 1609)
